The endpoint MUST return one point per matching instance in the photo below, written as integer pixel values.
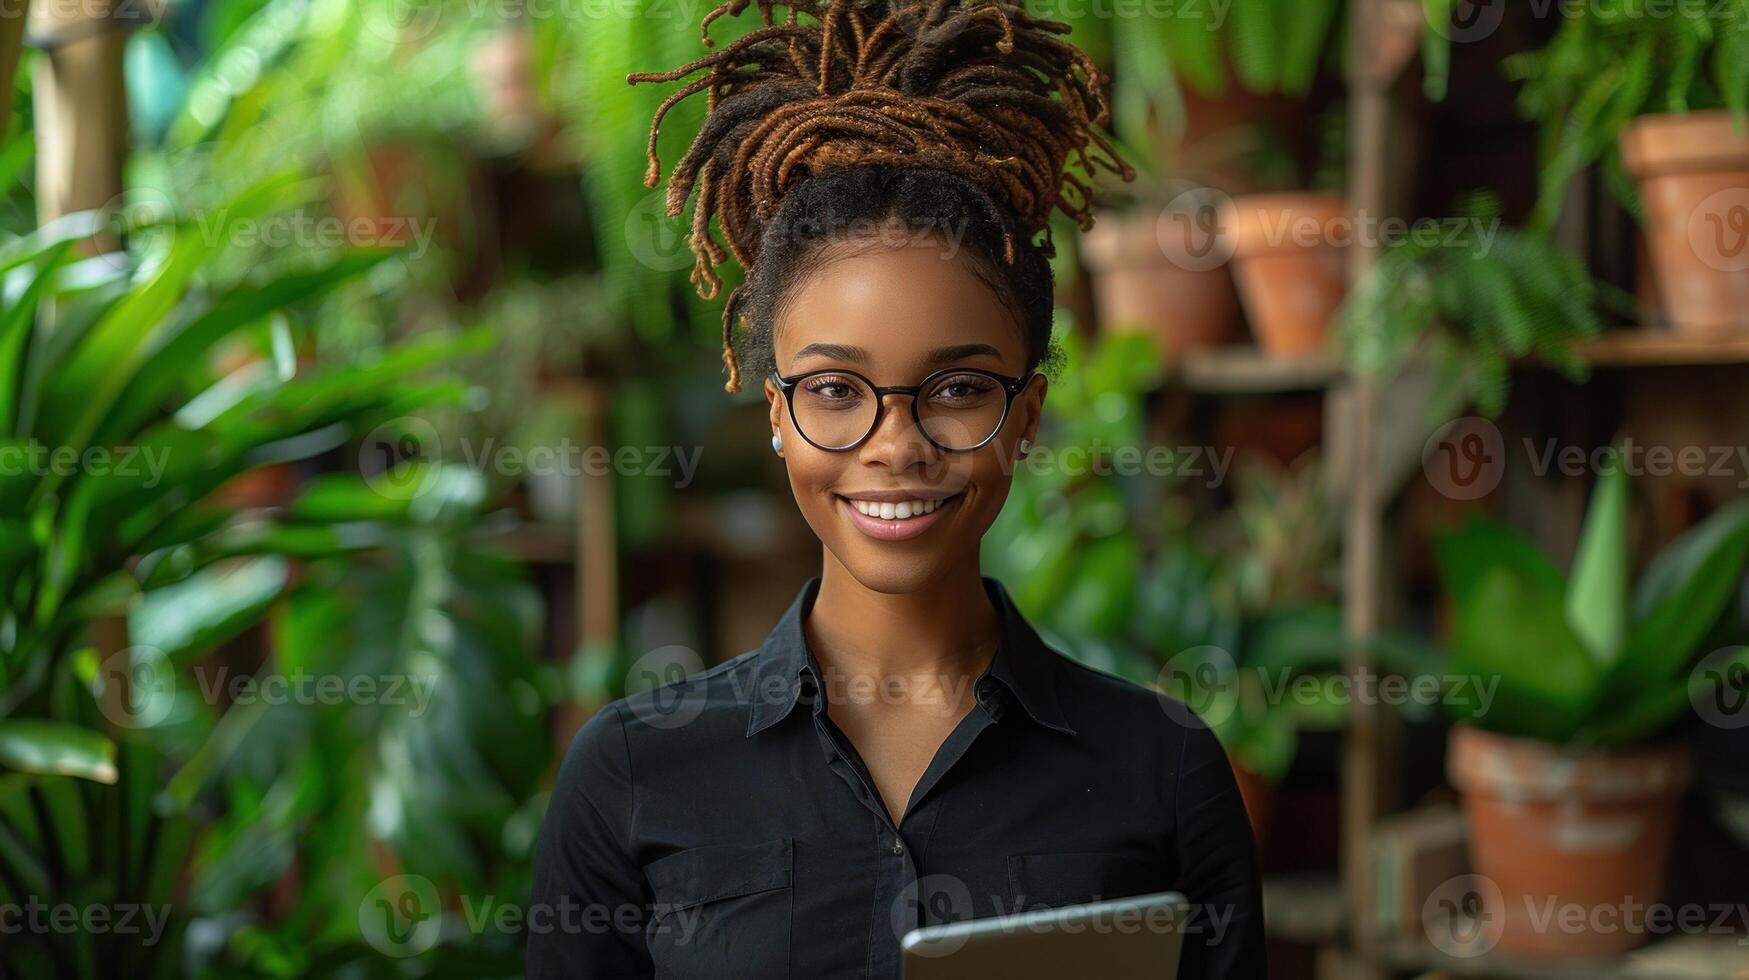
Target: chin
(892, 574)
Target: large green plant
(1581, 659)
(1473, 297)
(117, 433)
(1612, 60)
(436, 774)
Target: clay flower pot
(1693, 173)
(1259, 796)
(1289, 261)
(1572, 838)
(1165, 272)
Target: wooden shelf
(1650, 347)
(538, 544)
(1241, 369)
(1303, 908)
(1688, 957)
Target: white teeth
(898, 511)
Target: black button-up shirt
(723, 826)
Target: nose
(896, 442)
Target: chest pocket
(1055, 880)
(722, 910)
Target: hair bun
(978, 88)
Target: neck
(948, 630)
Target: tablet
(1120, 939)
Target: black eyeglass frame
(1010, 385)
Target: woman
(902, 750)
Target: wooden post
(11, 47)
(81, 109)
(1368, 753)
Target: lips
(871, 517)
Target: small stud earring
(1025, 446)
(776, 443)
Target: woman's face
(895, 314)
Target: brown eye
(832, 390)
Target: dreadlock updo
(953, 117)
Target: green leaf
(1689, 586)
(1508, 623)
(53, 748)
(1597, 597)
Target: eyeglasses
(957, 409)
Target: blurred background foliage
(325, 400)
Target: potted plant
(1289, 257)
(1156, 257)
(1471, 304)
(1659, 100)
(1569, 784)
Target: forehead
(897, 305)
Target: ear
(774, 401)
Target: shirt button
(898, 847)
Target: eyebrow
(940, 355)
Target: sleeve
(589, 902)
(1217, 860)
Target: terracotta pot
(1259, 796)
(1289, 262)
(1576, 840)
(1693, 172)
(1162, 272)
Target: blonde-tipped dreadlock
(961, 86)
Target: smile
(896, 520)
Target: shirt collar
(786, 671)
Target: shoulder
(676, 717)
(1107, 704)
